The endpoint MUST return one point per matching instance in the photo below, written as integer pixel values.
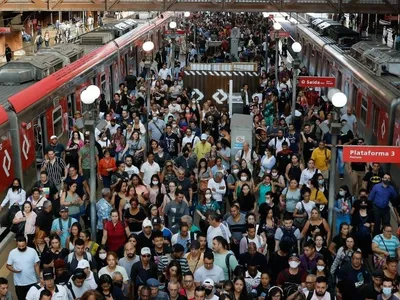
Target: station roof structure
(322, 6)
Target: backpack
(60, 223)
(40, 40)
(230, 272)
(69, 286)
(289, 237)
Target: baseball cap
(48, 273)
(147, 223)
(203, 137)
(59, 263)
(208, 281)
(178, 248)
(145, 250)
(195, 245)
(82, 264)
(53, 137)
(294, 255)
(156, 221)
(63, 208)
(153, 283)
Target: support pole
(93, 214)
(230, 97)
(266, 51)
(294, 92)
(277, 61)
(332, 178)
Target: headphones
(275, 287)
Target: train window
(375, 114)
(103, 83)
(364, 110)
(57, 121)
(339, 80)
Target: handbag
(380, 261)
(300, 222)
(20, 227)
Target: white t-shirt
(120, 269)
(221, 230)
(61, 293)
(149, 170)
(216, 274)
(307, 206)
(24, 261)
(131, 170)
(190, 139)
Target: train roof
(379, 85)
(27, 97)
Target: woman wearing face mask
(205, 207)
(344, 254)
(107, 289)
(343, 205)
(322, 270)
(156, 190)
(278, 181)
(175, 129)
(247, 200)
(268, 161)
(243, 178)
(263, 188)
(362, 223)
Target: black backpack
(289, 237)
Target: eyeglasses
(188, 281)
(146, 255)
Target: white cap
(204, 137)
(145, 250)
(208, 281)
(83, 264)
(53, 137)
(147, 223)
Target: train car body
(374, 98)
(29, 117)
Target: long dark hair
(243, 294)
(19, 183)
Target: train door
(40, 135)
(71, 109)
(111, 81)
(375, 123)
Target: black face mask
(186, 155)
(363, 206)
(22, 249)
(208, 291)
(118, 284)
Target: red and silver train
(368, 74)
(35, 111)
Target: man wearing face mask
(156, 128)
(292, 275)
(23, 262)
(320, 292)
(381, 194)
(208, 285)
(186, 162)
(387, 290)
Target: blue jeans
(340, 162)
(106, 181)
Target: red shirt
(116, 236)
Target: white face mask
(103, 255)
(320, 268)
(274, 174)
(235, 171)
(187, 111)
(154, 118)
(243, 178)
(155, 182)
(294, 264)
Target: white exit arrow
(216, 98)
(200, 94)
(224, 95)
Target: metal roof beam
(329, 6)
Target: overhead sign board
(314, 81)
(380, 154)
(280, 33)
(174, 33)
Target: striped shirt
(55, 170)
(163, 262)
(384, 244)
